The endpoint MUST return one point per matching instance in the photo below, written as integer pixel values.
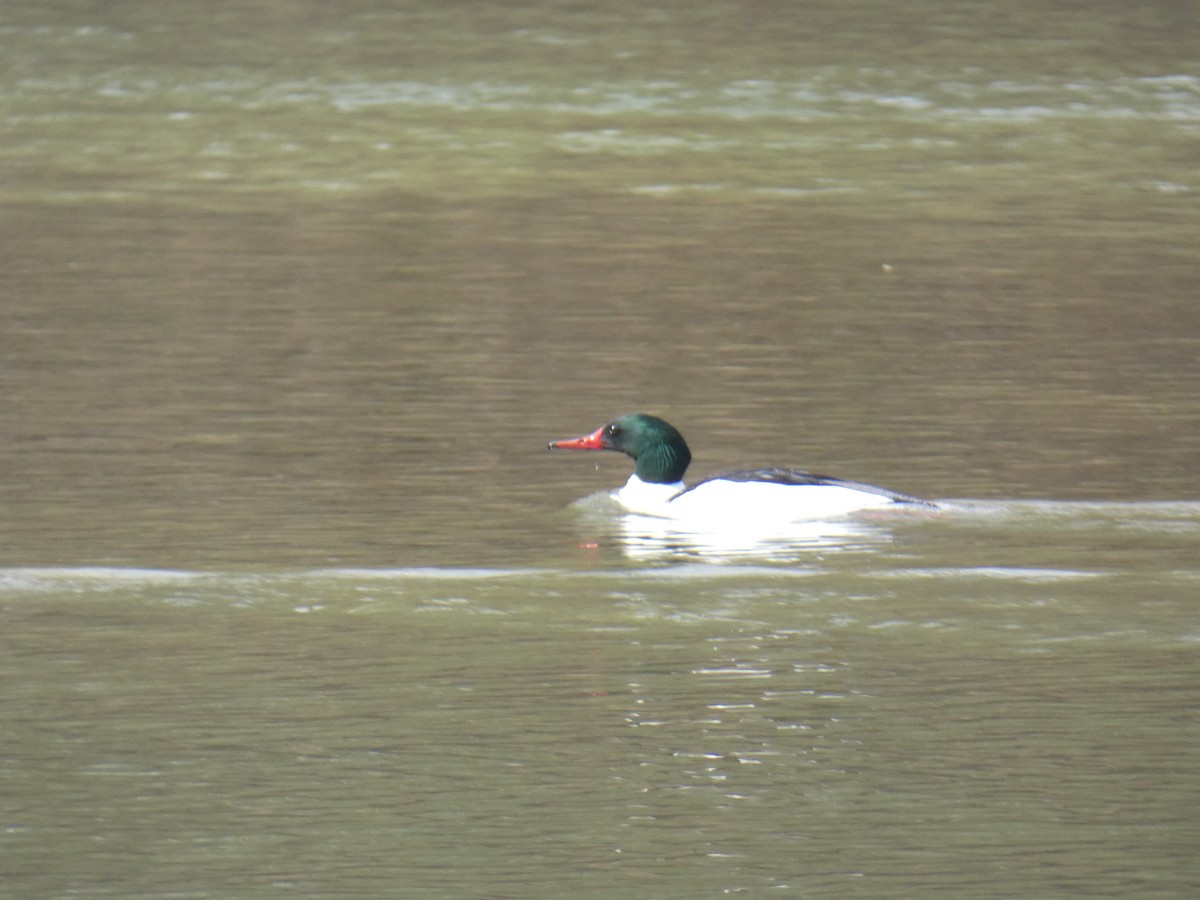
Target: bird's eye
(611, 430)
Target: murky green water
(876, 725)
(295, 603)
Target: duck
(661, 457)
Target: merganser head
(659, 452)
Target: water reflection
(754, 728)
(977, 532)
(645, 538)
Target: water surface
(294, 600)
(861, 724)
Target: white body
(732, 503)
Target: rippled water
(294, 600)
(903, 721)
(528, 100)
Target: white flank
(733, 503)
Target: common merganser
(661, 456)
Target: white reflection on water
(646, 538)
(649, 538)
(652, 539)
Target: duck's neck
(664, 463)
